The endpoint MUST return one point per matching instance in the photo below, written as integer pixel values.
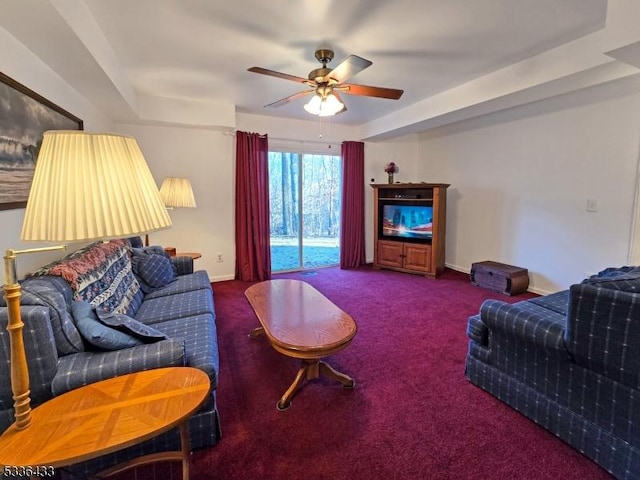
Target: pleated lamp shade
(89, 186)
(177, 193)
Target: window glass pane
(284, 179)
(321, 210)
(305, 194)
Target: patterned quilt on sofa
(101, 274)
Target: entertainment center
(409, 227)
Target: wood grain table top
(193, 255)
(297, 317)
(105, 417)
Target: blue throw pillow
(131, 326)
(96, 333)
(153, 271)
(148, 250)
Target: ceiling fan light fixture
(313, 106)
(324, 80)
(324, 107)
(332, 105)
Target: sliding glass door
(305, 197)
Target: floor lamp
(85, 187)
(176, 193)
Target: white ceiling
(115, 50)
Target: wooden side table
(108, 416)
(193, 255)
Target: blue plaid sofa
(104, 275)
(569, 361)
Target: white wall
(19, 63)
(404, 151)
(205, 157)
(520, 180)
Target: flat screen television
(408, 222)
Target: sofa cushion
(184, 283)
(556, 302)
(200, 342)
(130, 326)
(626, 279)
(98, 334)
(611, 272)
(153, 271)
(626, 283)
(177, 306)
(603, 332)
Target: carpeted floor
(412, 414)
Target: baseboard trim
(457, 268)
(221, 278)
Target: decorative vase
(391, 178)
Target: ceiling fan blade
(290, 98)
(348, 68)
(273, 73)
(367, 91)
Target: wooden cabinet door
(390, 254)
(417, 257)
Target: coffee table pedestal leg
(310, 370)
(328, 371)
(256, 332)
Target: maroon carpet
(412, 414)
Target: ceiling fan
(327, 84)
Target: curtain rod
(302, 142)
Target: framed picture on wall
(24, 117)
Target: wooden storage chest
(500, 277)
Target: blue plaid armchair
(569, 361)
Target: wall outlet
(219, 257)
(592, 205)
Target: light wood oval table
(107, 416)
(300, 322)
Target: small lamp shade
(177, 193)
(89, 186)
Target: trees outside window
(304, 192)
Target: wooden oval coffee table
(302, 323)
(108, 416)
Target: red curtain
(253, 254)
(352, 251)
